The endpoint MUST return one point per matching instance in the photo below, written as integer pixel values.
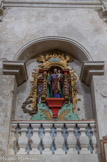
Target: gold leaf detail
(47, 113)
(63, 114)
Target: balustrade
(49, 137)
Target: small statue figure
(55, 83)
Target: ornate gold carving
(32, 98)
(61, 61)
(43, 97)
(74, 90)
(47, 113)
(63, 114)
(66, 87)
(54, 54)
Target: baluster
(12, 143)
(23, 140)
(59, 140)
(29, 135)
(53, 135)
(84, 140)
(94, 137)
(89, 133)
(35, 139)
(65, 134)
(47, 139)
(77, 135)
(71, 140)
(41, 135)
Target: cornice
(1, 10)
(104, 10)
(100, 5)
(17, 68)
(53, 3)
(90, 68)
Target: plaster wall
(21, 25)
(7, 89)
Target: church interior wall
(20, 26)
(84, 26)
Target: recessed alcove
(83, 107)
(82, 64)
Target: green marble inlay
(44, 113)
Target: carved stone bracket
(91, 68)
(17, 68)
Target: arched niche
(32, 50)
(42, 45)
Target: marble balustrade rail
(53, 137)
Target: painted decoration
(53, 93)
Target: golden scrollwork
(51, 59)
(32, 98)
(74, 90)
(46, 62)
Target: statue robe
(55, 86)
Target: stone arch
(41, 45)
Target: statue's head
(59, 71)
(55, 70)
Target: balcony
(53, 137)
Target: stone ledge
(53, 3)
(1, 10)
(53, 122)
(16, 68)
(91, 68)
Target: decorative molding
(53, 4)
(17, 68)
(1, 10)
(92, 122)
(51, 42)
(104, 11)
(91, 68)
